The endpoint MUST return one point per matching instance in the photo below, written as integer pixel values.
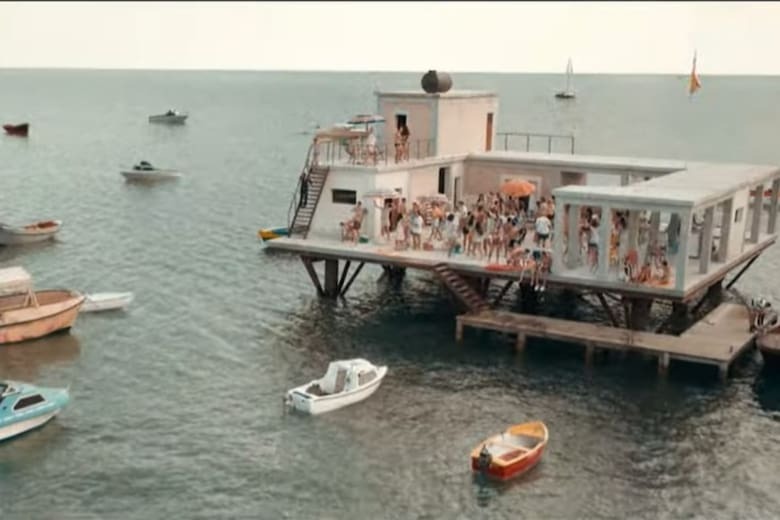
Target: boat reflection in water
(24, 361)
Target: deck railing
(510, 139)
(352, 151)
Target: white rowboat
(106, 301)
(29, 234)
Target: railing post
(418, 149)
(572, 145)
(506, 142)
(527, 142)
(549, 144)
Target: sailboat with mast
(568, 93)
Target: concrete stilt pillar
(663, 364)
(520, 342)
(640, 313)
(590, 350)
(458, 331)
(331, 278)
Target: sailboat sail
(569, 72)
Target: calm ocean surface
(176, 404)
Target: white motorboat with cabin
(144, 171)
(171, 117)
(346, 382)
(106, 301)
(24, 407)
(28, 234)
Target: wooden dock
(718, 339)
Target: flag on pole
(693, 83)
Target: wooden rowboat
(511, 453)
(30, 233)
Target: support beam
(573, 248)
(608, 310)
(331, 278)
(681, 262)
(773, 201)
(352, 279)
(503, 292)
(663, 364)
(520, 342)
(458, 331)
(758, 207)
(307, 263)
(725, 229)
(558, 236)
(706, 243)
(741, 272)
(590, 350)
(344, 273)
(723, 371)
(605, 228)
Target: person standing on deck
(305, 182)
(405, 142)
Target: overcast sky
(646, 37)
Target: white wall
(462, 124)
(328, 215)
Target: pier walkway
(719, 338)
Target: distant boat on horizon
(21, 129)
(567, 93)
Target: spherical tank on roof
(434, 82)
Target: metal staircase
(460, 288)
(299, 217)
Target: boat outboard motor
(485, 458)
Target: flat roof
(588, 162)
(452, 94)
(697, 185)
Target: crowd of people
(501, 231)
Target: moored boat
(267, 234)
(511, 453)
(346, 382)
(106, 301)
(24, 407)
(20, 130)
(30, 233)
(144, 171)
(171, 117)
(27, 314)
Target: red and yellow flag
(693, 83)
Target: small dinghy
(19, 130)
(512, 453)
(346, 382)
(106, 301)
(30, 233)
(267, 234)
(144, 171)
(24, 407)
(171, 117)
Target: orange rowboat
(511, 453)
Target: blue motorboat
(24, 407)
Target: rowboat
(267, 234)
(511, 453)
(27, 314)
(346, 382)
(30, 233)
(171, 117)
(20, 130)
(106, 301)
(26, 407)
(144, 171)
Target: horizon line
(354, 71)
